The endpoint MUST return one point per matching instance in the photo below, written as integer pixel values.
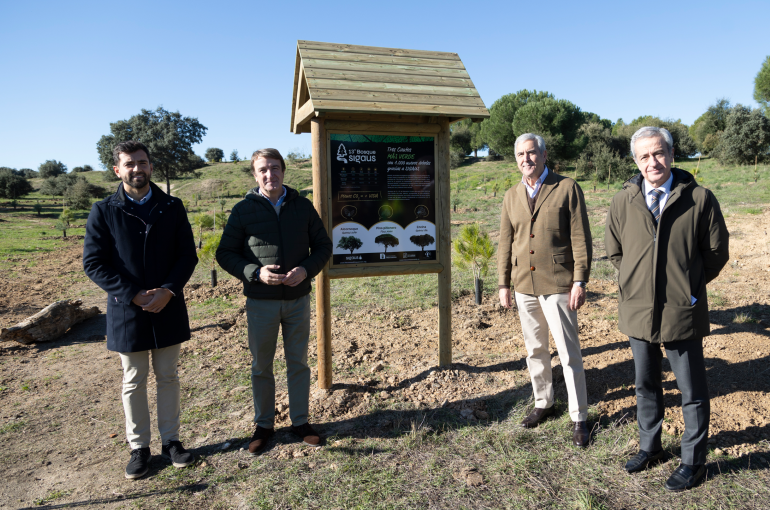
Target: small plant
(220, 219)
(65, 220)
(474, 251)
(495, 188)
(208, 254)
(455, 203)
(744, 318)
(222, 203)
(202, 221)
(14, 203)
(38, 208)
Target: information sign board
(383, 198)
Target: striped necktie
(655, 205)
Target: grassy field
(24, 233)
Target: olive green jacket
(543, 252)
(256, 236)
(662, 267)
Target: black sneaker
(309, 436)
(139, 463)
(179, 457)
(259, 440)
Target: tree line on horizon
(598, 148)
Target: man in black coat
(275, 243)
(139, 248)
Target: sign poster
(383, 198)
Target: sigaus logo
(342, 153)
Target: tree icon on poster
(422, 241)
(342, 153)
(351, 243)
(387, 240)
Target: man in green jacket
(275, 243)
(668, 239)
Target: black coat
(123, 255)
(256, 236)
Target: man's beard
(136, 181)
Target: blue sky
(70, 68)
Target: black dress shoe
(536, 416)
(685, 477)
(640, 461)
(580, 434)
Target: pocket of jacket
(556, 219)
(563, 269)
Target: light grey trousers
(136, 368)
(538, 314)
(264, 317)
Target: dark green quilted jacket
(256, 236)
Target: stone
(481, 415)
(377, 367)
(298, 453)
(718, 451)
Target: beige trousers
(136, 368)
(538, 314)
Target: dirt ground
(61, 420)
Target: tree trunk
(50, 323)
(168, 186)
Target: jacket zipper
(144, 257)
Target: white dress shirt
(666, 187)
(533, 191)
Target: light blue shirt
(533, 191)
(663, 198)
(280, 200)
(143, 200)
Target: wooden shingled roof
(341, 78)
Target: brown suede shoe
(580, 434)
(309, 436)
(259, 440)
(536, 416)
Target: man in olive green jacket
(545, 255)
(275, 243)
(668, 239)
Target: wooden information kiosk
(379, 119)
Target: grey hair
(649, 132)
(530, 136)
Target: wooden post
(609, 177)
(444, 247)
(323, 314)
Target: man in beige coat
(545, 255)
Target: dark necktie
(655, 205)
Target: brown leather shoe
(536, 416)
(580, 434)
(259, 440)
(309, 436)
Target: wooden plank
(312, 63)
(364, 76)
(294, 92)
(384, 86)
(323, 284)
(385, 127)
(359, 272)
(391, 97)
(377, 117)
(381, 59)
(443, 229)
(304, 113)
(364, 107)
(375, 50)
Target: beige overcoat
(543, 252)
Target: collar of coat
(253, 194)
(550, 183)
(682, 180)
(119, 198)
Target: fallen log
(49, 323)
